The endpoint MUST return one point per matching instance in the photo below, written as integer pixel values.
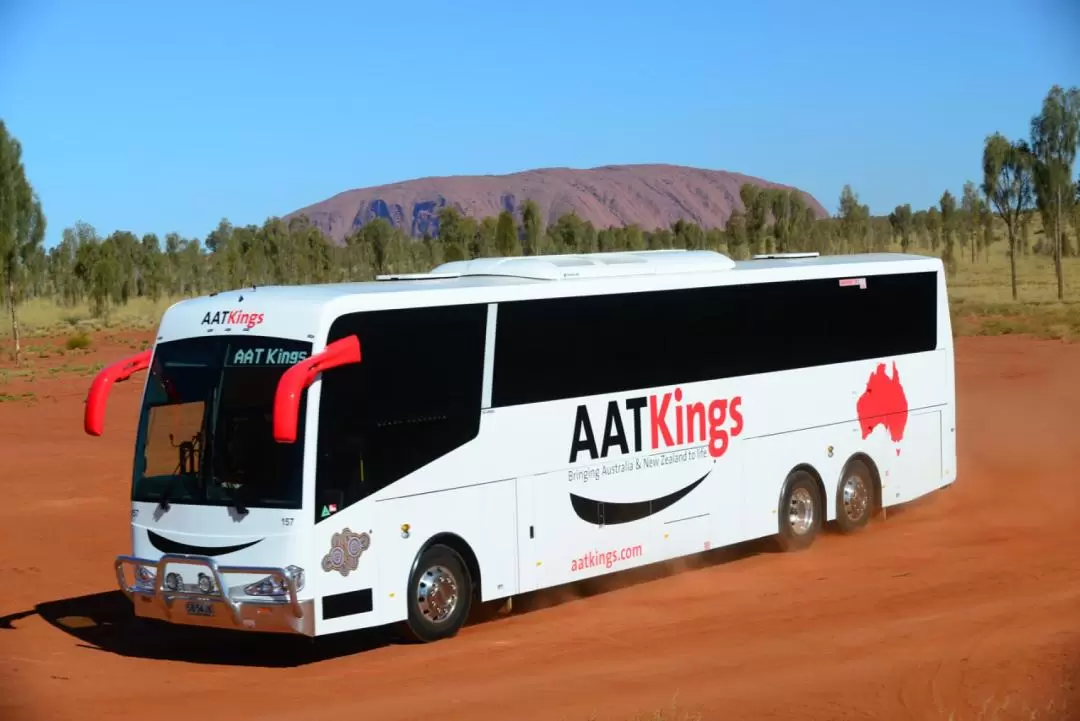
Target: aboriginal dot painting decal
(346, 548)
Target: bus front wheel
(440, 594)
(800, 512)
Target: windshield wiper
(234, 496)
(232, 493)
(163, 499)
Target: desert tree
(569, 234)
(789, 211)
(62, 270)
(792, 205)
(736, 237)
(1008, 185)
(608, 239)
(987, 218)
(1025, 232)
(660, 239)
(635, 237)
(22, 227)
(948, 223)
(506, 235)
(933, 227)
(688, 235)
(970, 208)
(755, 209)
(714, 239)
(854, 220)
(1054, 134)
(919, 225)
(533, 225)
(485, 244)
(454, 233)
(901, 220)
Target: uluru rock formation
(652, 196)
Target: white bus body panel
(795, 418)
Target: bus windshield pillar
(98, 396)
(293, 382)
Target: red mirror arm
(98, 396)
(293, 382)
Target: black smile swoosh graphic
(166, 545)
(606, 513)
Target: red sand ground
(965, 604)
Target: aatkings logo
(670, 425)
(233, 317)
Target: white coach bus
(323, 458)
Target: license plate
(195, 608)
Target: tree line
(1019, 178)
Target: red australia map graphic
(883, 403)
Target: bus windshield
(205, 434)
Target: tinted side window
(414, 397)
(569, 347)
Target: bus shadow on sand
(104, 621)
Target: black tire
(800, 512)
(856, 497)
(439, 569)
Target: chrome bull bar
(164, 597)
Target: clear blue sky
(158, 117)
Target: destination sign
(265, 356)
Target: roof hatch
(583, 265)
(786, 256)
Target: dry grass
(980, 294)
(44, 317)
(79, 341)
(981, 299)
(987, 281)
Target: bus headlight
(145, 577)
(272, 585)
(206, 584)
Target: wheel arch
(461, 547)
(808, 468)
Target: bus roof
(541, 270)
(495, 280)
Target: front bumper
(218, 608)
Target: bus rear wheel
(440, 595)
(800, 512)
(855, 497)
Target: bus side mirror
(297, 378)
(98, 396)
